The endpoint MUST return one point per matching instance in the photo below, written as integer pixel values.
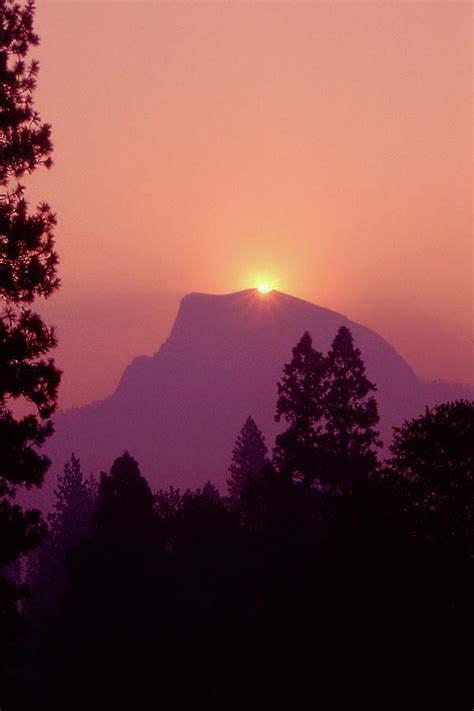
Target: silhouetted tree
(116, 608)
(248, 459)
(75, 499)
(349, 440)
(168, 504)
(205, 538)
(124, 498)
(27, 270)
(205, 509)
(433, 466)
(67, 525)
(194, 516)
(301, 404)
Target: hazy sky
(323, 146)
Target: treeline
(322, 577)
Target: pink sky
(325, 147)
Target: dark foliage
(326, 401)
(349, 440)
(109, 607)
(27, 270)
(68, 524)
(301, 404)
(432, 469)
(248, 459)
(320, 596)
(72, 510)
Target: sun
(263, 288)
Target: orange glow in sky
(323, 148)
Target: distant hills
(179, 411)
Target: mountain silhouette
(179, 411)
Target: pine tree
(349, 440)
(301, 405)
(75, 498)
(114, 606)
(68, 524)
(27, 270)
(248, 459)
(125, 503)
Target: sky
(323, 147)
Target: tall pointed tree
(248, 459)
(27, 270)
(348, 445)
(69, 522)
(75, 498)
(301, 404)
(116, 586)
(124, 511)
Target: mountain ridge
(180, 410)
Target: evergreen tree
(125, 504)
(114, 609)
(204, 519)
(75, 498)
(432, 468)
(248, 459)
(348, 443)
(27, 270)
(301, 404)
(68, 524)
(168, 504)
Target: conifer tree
(349, 440)
(115, 592)
(68, 524)
(124, 499)
(75, 498)
(248, 459)
(27, 270)
(301, 404)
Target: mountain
(179, 411)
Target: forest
(322, 573)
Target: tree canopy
(349, 441)
(301, 404)
(248, 459)
(331, 414)
(28, 269)
(432, 466)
